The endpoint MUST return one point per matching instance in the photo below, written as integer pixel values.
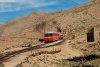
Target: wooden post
(90, 35)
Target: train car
(51, 36)
(60, 36)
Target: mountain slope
(74, 21)
(22, 23)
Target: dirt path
(66, 50)
(45, 59)
(17, 59)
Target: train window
(50, 35)
(46, 35)
(61, 35)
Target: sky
(11, 9)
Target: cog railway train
(52, 36)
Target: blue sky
(11, 9)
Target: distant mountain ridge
(23, 22)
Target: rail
(39, 46)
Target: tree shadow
(85, 58)
(83, 66)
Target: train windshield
(61, 35)
(50, 35)
(46, 35)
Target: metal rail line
(45, 45)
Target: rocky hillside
(22, 23)
(77, 18)
(76, 21)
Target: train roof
(50, 32)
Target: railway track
(26, 50)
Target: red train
(52, 36)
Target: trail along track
(19, 56)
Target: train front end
(48, 37)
